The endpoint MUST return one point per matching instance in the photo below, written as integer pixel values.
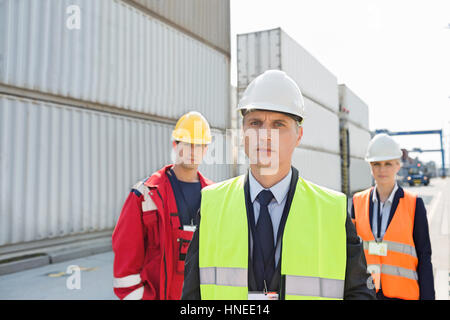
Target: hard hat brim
(268, 107)
(375, 159)
(193, 141)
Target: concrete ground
(53, 282)
(437, 202)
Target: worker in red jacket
(158, 219)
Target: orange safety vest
(395, 269)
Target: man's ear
(300, 135)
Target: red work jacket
(149, 245)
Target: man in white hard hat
(393, 224)
(270, 234)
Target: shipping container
(360, 176)
(274, 49)
(359, 140)
(322, 168)
(67, 170)
(320, 128)
(354, 121)
(207, 19)
(114, 55)
(358, 110)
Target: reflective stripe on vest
(311, 234)
(396, 247)
(295, 285)
(398, 276)
(314, 287)
(233, 277)
(395, 271)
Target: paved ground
(95, 272)
(437, 201)
(53, 282)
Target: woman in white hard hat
(392, 223)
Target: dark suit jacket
(422, 243)
(356, 277)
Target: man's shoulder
(225, 184)
(361, 193)
(139, 188)
(321, 189)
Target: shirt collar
(279, 190)
(389, 199)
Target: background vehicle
(417, 177)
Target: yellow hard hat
(192, 128)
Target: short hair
(297, 119)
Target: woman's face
(384, 172)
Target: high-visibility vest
(396, 271)
(313, 257)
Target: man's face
(270, 138)
(385, 171)
(189, 155)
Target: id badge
(191, 228)
(262, 296)
(378, 248)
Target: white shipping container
(208, 19)
(322, 168)
(359, 140)
(358, 109)
(118, 56)
(360, 176)
(68, 170)
(274, 49)
(320, 128)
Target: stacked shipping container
(86, 112)
(356, 124)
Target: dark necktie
(263, 253)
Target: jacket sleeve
(422, 243)
(358, 283)
(129, 251)
(191, 285)
(352, 213)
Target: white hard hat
(273, 90)
(382, 147)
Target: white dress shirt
(276, 206)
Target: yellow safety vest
(313, 257)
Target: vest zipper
(164, 255)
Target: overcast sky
(394, 54)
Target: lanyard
(378, 217)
